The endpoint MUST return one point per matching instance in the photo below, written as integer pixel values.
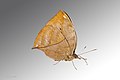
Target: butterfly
(58, 39)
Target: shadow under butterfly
(58, 39)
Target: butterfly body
(60, 57)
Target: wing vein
(52, 44)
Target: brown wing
(58, 38)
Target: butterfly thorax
(70, 57)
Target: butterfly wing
(58, 38)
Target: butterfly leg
(74, 65)
(56, 63)
(85, 59)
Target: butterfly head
(79, 57)
(71, 57)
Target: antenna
(87, 52)
(85, 59)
